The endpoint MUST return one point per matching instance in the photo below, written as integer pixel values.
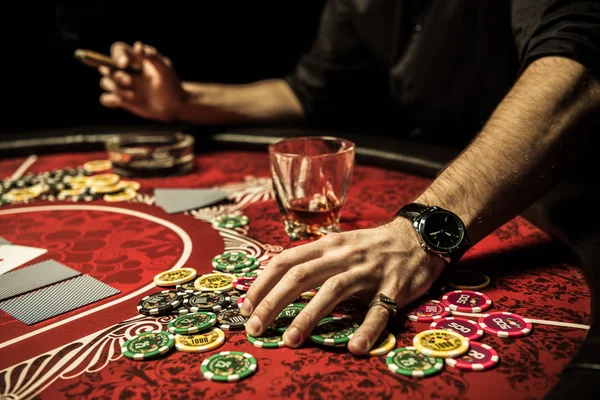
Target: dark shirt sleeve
(332, 77)
(566, 28)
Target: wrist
(402, 230)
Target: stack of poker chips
(86, 183)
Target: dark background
(227, 42)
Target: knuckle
(298, 274)
(307, 317)
(266, 307)
(336, 285)
(335, 239)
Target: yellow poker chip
(104, 180)
(77, 182)
(97, 165)
(21, 194)
(200, 342)
(133, 185)
(305, 297)
(175, 277)
(125, 195)
(385, 344)
(441, 343)
(214, 282)
(102, 189)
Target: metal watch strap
(412, 211)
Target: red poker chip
(505, 324)
(241, 301)
(429, 311)
(467, 301)
(243, 283)
(468, 329)
(480, 357)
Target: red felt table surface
(77, 355)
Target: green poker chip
(334, 331)
(228, 366)
(408, 361)
(270, 339)
(251, 274)
(148, 345)
(286, 316)
(236, 262)
(192, 323)
(230, 221)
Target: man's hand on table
(387, 259)
(155, 93)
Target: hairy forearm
(263, 101)
(522, 150)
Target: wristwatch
(440, 231)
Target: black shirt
(444, 65)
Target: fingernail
(293, 336)
(253, 326)
(246, 307)
(122, 61)
(361, 343)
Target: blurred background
(222, 42)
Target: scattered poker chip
(175, 277)
(409, 362)
(200, 342)
(103, 180)
(467, 279)
(468, 329)
(334, 331)
(505, 324)
(230, 221)
(240, 301)
(228, 366)
(97, 165)
(133, 185)
(106, 189)
(77, 182)
(234, 296)
(24, 194)
(217, 281)
(180, 310)
(68, 193)
(206, 301)
(252, 274)
(125, 195)
(384, 344)
(350, 308)
(270, 339)
(441, 343)
(231, 319)
(148, 345)
(286, 316)
(429, 311)
(186, 287)
(480, 357)
(192, 323)
(235, 261)
(305, 297)
(243, 283)
(160, 303)
(467, 301)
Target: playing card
(178, 200)
(13, 256)
(33, 277)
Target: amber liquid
(314, 216)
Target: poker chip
(234, 296)
(200, 342)
(192, 323)
(270, 339)
(228, 366)
(240, 301)
(231, 319)
(181, 310)
(252, 274)
(230, 221)
(235, 261)
(187, 287)
(429, 311)
(160, 303)
(107, 189)
(102, 180)
(286, 316)
(305, 297)
(175, 276)
(466, 328)
(125, 195)
(217, 281)
(65, 194)
(480, 357)
(409, 362)
(350, 308)
(97, 165)
(24, 194)
(148, 345)
(334, 331)
(441, 343)
(467, 280)
(133, 185)
(384, 344)
(505, 324)
(206, 301)
(77, 182)
(467, 301)
(243, 283)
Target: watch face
(442, 230)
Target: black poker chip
(187, 287)
(230, 319)
(233, 295)
(161, 303)
(207, 301)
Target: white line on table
(533, 321)
(26, 164)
